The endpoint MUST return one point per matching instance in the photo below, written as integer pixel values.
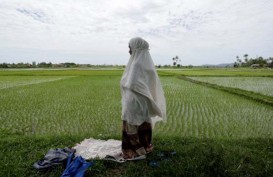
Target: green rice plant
(13, 81)
(262, 85)
(90, 105)
(77, 105)
(221, 72)
(214, 133)
(202, 112)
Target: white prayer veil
(141, 77)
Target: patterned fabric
(136, 140)
(53, 157)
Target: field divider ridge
(244, 93)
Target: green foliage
(176, 61)
(59, 65)
(236, 65)
(44, 65)
(4, 65)
(61, 72)
(252, 61)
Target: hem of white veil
(152, 121)
(155, 120)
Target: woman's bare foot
(128, 154)
(149, 148)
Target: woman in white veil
(143, 101)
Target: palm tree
(246, 59)
(176, 60)
(238, 59)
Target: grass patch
(195, 157)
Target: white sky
(98, 31)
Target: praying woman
(143, 101)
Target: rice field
(223, 72)
(77, 105)
(90, 105)
(198, 111)
(262, 85)
(13, 81)
(214, 132)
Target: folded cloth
(76, 167)
(53, 157)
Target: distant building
(255, 66)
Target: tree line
(25, 65)
(51, 65)
(253, 62)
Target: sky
(97, 31)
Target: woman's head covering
(140, 76)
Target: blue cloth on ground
(76, 167)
